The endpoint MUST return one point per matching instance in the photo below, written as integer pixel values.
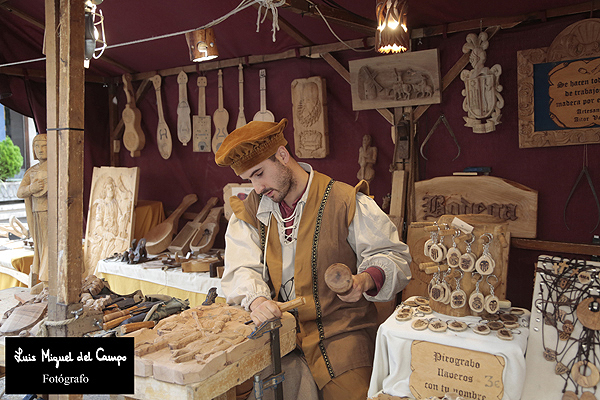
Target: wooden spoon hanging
(133, 137)
(163, 134)
(241, 119)
(201, 121)
(263, 114)
(184, 125)
(220, 119)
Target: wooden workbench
(220, 385)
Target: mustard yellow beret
(251, 144)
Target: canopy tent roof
(135, 31)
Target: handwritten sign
(438, 369)
(69, 365)
(574, 91)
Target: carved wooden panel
(113, 197)
(309, 107)
(578, 41)
(395, 81)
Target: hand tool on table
(275, 380)
(113, 323)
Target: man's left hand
(360, 284)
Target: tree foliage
(10, 159)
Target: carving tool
(287, 306)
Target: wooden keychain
(477, 300)
(467, 260)
(491, 303)
(458, 298)
(485, 264)
(453, 254)
(437, 251)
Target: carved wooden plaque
(110, 223)
(438, 369)
(309, 107)
(397, 80)
(559, 100)
(507, 200)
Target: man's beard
(284, 184)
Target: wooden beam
(41, 74)
(556, 247)
(339, 16)
(65, 199)
(504, 22)
(256, 59)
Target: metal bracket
(275, 381)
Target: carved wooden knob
(338, 278)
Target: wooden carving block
(309, 107)
(198, 343)
(397, 80)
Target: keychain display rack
(463, 272)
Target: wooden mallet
(338, 278)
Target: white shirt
(371, 234)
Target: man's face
(270, 178)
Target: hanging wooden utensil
(220, 119)
(241, 120)
(163, 134)
(263, 114)
(133, 137)
(201, 123)
(160, 237)
(181, 244)
(184, 128)
(207, 232)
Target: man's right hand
(263, 309)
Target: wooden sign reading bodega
(455, 195)
(395, 81)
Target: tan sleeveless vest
(335, 336)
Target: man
(280, 241)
